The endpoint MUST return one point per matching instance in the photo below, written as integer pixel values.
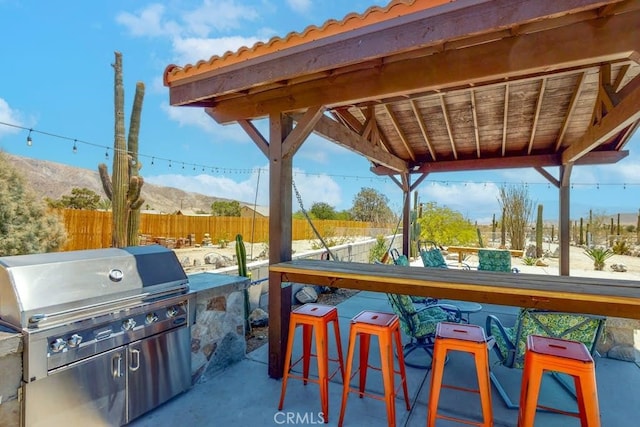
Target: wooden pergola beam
(516, 162)
(580, 44)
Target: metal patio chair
(510, 342)
(419, 321)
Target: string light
(218, 170)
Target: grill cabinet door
(159, 368)
(90, 392)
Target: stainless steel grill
(107, 333)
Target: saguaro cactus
(539, 229)
(123, 187)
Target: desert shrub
(378, 250)
(529, 261)
(621, 247)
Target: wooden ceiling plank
(447, 122)
(622, 115)
(505, 119)
(475, 122)
(536, 116)
(398, 128)
(342, 135)
(581, 44)
(303, 129)
(423, 128)
(570, 110)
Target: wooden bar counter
(609, 297)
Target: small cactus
(539, 229)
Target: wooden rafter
(445, 113)
(624, 114)
(505, 119)
(620, 77)
(255, 136)
(300, 133)
(423, 128)
(536, 116)
(570, 110)
(475, 122)
(398, 128)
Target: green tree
(344, 215)
(80, 198)
(225, 208)
(445, 226)
(517, 207)
(25, 225)
(321, 210)
(371, 206)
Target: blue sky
(57, 78)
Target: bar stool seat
(386, 327)
(313, 317)
(469, 339)
(558, 355)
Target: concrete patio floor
(244, 395)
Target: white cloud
(460, 196)
(218, 15)
(148, 23)
(196, 117)
(300, 6)
(9, 115)
(191, 50)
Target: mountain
(53, 180)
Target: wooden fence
(92, 229)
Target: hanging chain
(313, 227)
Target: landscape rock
(218, 260)
(530, 252)
(306, 295)
(259, 318)
(619, 267)
(186, 262)
(624, 352)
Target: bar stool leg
(323, 370)
(287, 363)
(484, 385)
(403, 372)
(347, 377)
(336, 331)
(365, 341)
(439, 353)
(307, 334)
(386, 357)
(589, 412)
(530, 390)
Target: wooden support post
(564, 231)
(280, 234)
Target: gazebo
(426, 86)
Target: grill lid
(40, 286)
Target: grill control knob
(74, 340)
(58, 345)
(172, 311)
(128, 324)
(151, 317)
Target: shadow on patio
(244, 395)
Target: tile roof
(375, 14)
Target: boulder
(306, 295)
(619, 267)
(259, 318)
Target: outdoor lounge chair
(431, 255)
(511, 341)
(495, 260)
(419, 322)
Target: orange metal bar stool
(469, 339)
(387, 328)
(313, 316)
(558, 355)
